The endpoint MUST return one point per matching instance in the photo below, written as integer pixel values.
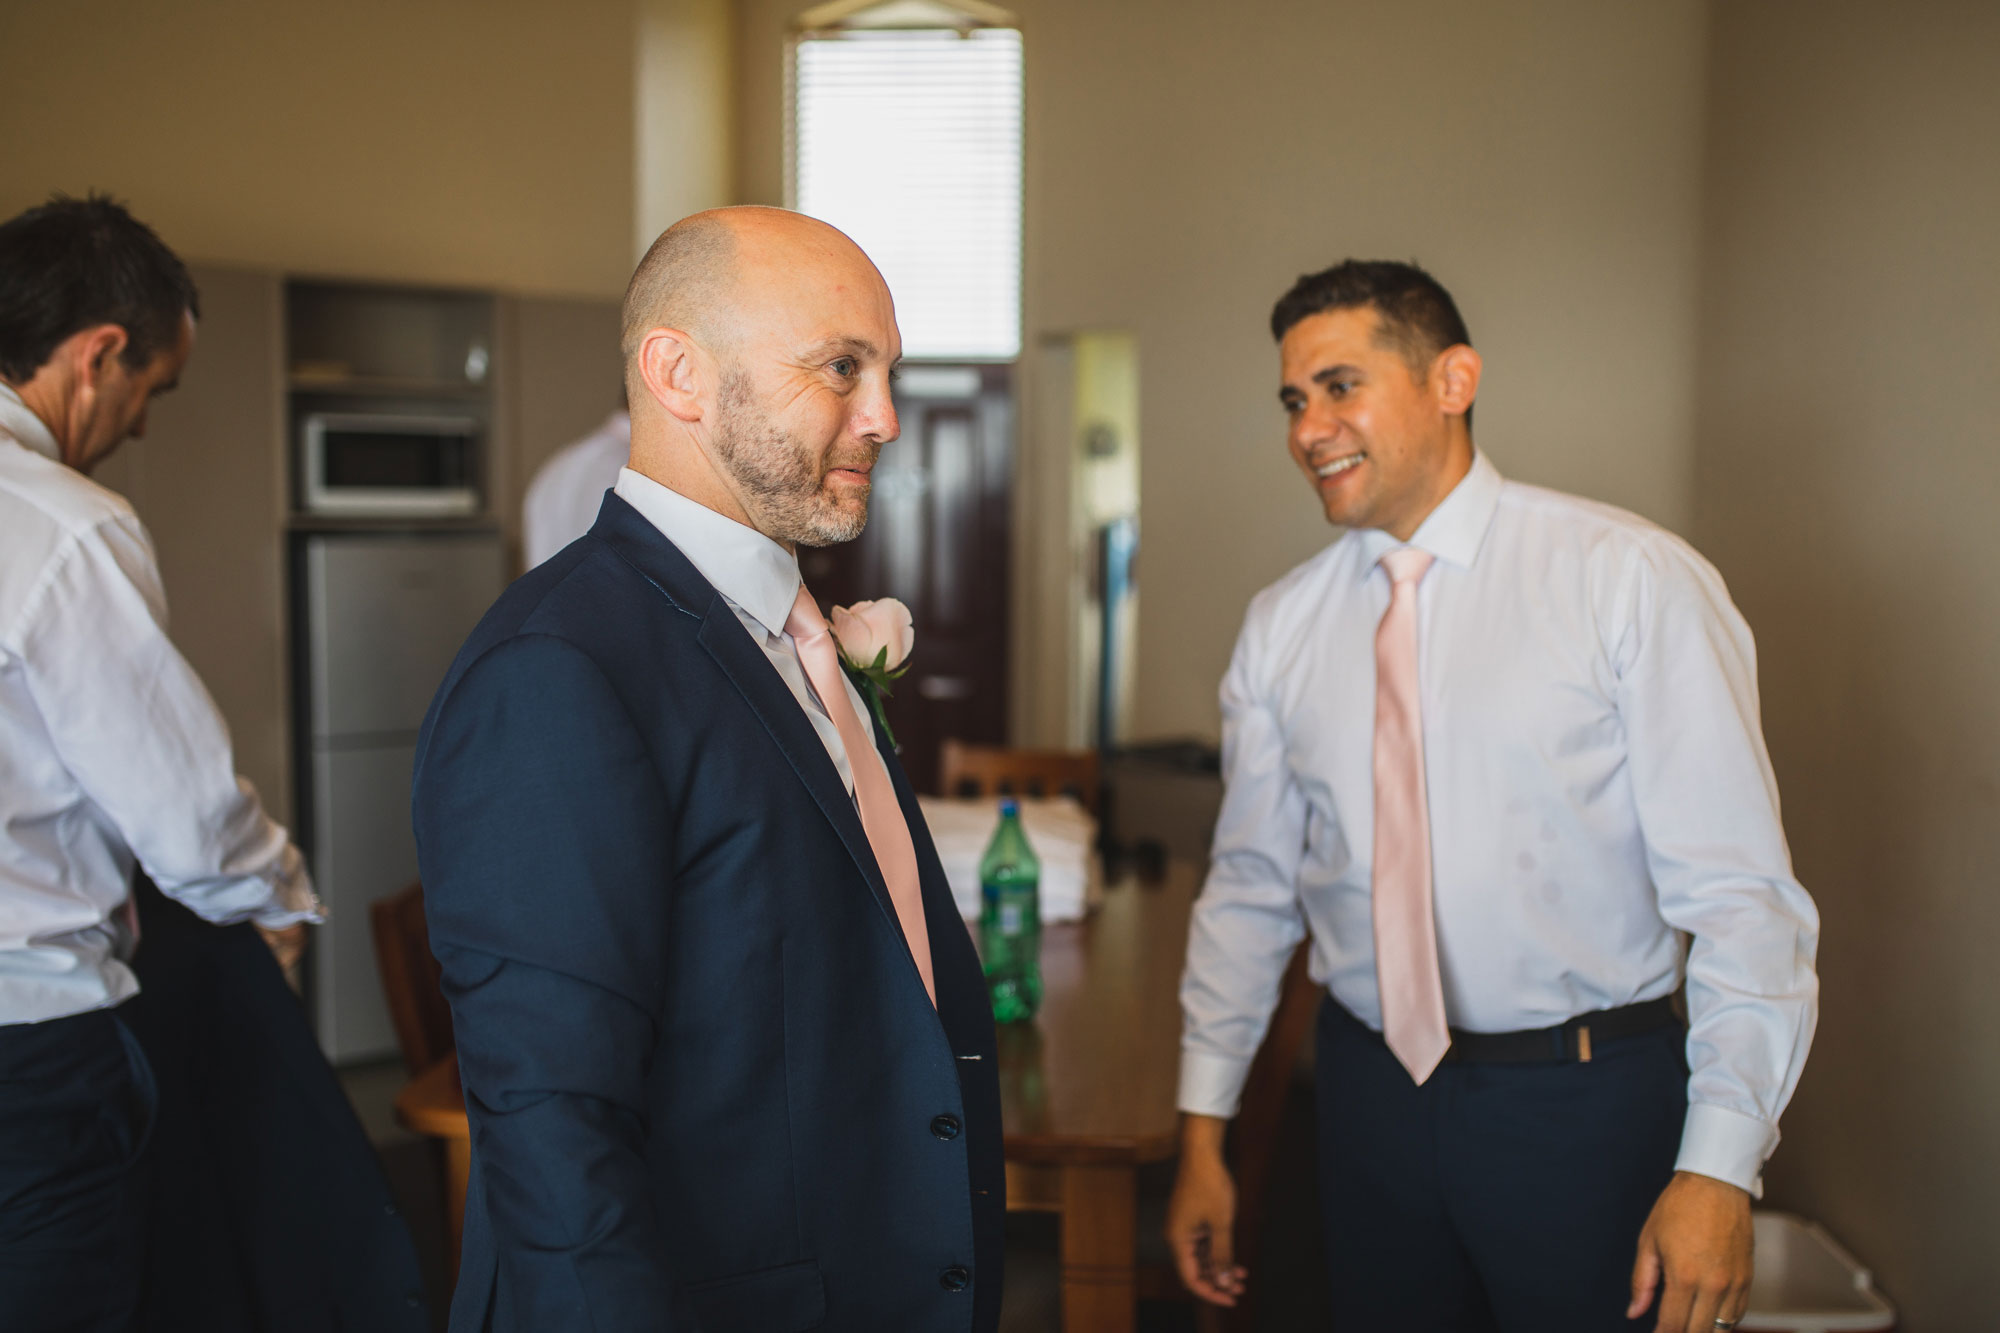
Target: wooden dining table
(1086, 1090)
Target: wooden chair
(993, 770)
(411, 979)
(1253, 1135)
(411, 983)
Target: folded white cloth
(1060, 830)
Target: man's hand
(1201, 1216)
(1698, 1239)
(287, 945)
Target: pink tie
(1406, 959)
(881, 814)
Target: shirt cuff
(292, 897)
(1727, 1145)
(1212, 1084)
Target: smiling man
(1497, 750)
(724, 1040)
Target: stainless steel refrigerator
(381, 615)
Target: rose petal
(893, 629)
(854, 635)
(870, 629)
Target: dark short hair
(72, 264)
(1419, 317)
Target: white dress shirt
(1597, 781)
(760, 581)
(110, 749)
(563, 499)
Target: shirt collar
(751, 570)
(1455, 529)
(17, 420)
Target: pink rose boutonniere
(875, 639)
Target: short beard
(784, 478)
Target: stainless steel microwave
(365, 464)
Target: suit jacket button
(946, 1127)
(955, 1278)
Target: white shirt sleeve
(566, 491)
(1708, 810)
(546, 521)
(1247, 921)
(143, 739)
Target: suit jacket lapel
(776, 707)
(646, 549)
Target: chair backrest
(411, 979)
(993, 770)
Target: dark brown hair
(72, 264)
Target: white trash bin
(1806, 1283)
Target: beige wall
(1847, 473)
(438, 141)
(1185, 164)
(208, 481)
(685, 144)
(564, 377)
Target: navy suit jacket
(707, 1090)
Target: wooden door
(937, 538)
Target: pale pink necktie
(881, 813)
(1406, 958)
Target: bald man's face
(805, 405)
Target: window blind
(910, 142)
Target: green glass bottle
(1010, 920)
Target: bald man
(725, 1045)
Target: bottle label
(1010, 918)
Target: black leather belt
(1565, 1043)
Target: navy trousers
(76, 1113)
(1503, 1198)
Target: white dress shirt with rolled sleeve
(111, 752)
(1598, 788)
